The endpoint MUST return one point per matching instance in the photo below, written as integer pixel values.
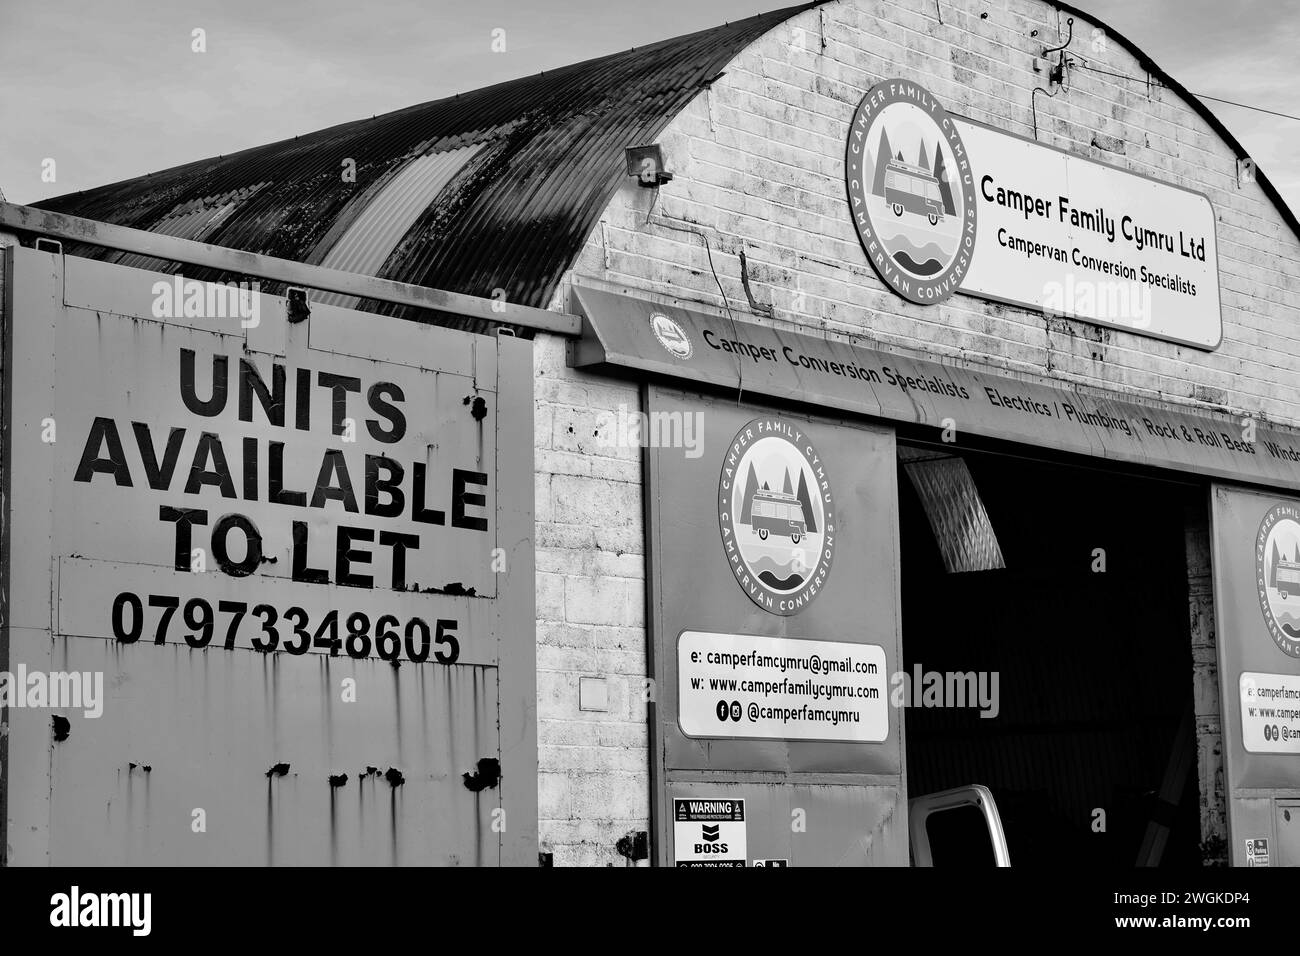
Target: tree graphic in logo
(926, 232)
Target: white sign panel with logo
(944, 204)
(1071, 236)
(1256, 564)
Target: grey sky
(112, 90)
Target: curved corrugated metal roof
(509, 213)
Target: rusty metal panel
(183, 731)
(858, 824)
(6, 455)
(304, 577)
(1288, 833)
(787, 611)
(1256, 538)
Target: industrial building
(754, 432)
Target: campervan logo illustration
(776, 513)
(1277, 569)
(671, 335)
(911, 191)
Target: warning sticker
(1257, 852)
(738, 685)
(709, 832)
(1270, 713)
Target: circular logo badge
(911, 191)
(671, 335)
(1277, 575)
(777, 515)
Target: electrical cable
(1205, 96)
(726, 303)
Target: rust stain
(486, 776)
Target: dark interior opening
(1094, 701)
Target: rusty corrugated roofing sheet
(512, 216)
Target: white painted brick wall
(593, 770)
(759, 164)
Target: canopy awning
(626, 332)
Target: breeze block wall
(593, 765)
(758, 161)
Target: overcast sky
(111, 90)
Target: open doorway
(1064, 590)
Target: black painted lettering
(103, 432)
(460, 498)
(185, 519)
(332, 482)
(379, 404)
(214, 405)
(347, 556)
(253, 545)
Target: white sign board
(709, 832)
(298, 503)
(739, 685)
(1270, 713)
(1071, 236)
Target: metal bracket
(754, 304)
(297, 305)
(1245, 171)
(1056, 73)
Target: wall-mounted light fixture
(646, 163)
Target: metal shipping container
(267, 584)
